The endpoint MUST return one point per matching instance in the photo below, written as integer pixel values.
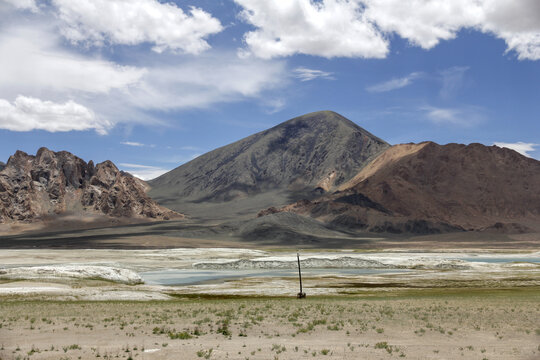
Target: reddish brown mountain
(52, 183)
(425, 188)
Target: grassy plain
(415, 324)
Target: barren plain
(227, 303)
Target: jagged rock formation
(431, 188)
(51, 183)
(2, 165)
(303, 157)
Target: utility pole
(301, 294)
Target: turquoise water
(500, 259)
(191, 277)
(196, 276)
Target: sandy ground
(456, 325)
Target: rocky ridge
(52, 183)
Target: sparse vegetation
(137, 327)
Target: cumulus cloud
(423, 23)
(394, 84)
(131, 22)
(143, 172)
(33, 61)
(426, 23)
(26, 114)
(466, 116)
(329, 28)
(520, 147)
(360, 28)
(517, 23)
(305, 74)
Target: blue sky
(151, 84)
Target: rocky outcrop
(429, 188)
(51, 183)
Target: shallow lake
(500, 259)
(190, 276)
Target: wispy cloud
(190, 84)
(274, 105)
(452, 80)
(131, 143)
(466, 116)
(40, 63)
(144, 172)
(136, 144)
(37, 60)
(396, 83)
(520, 147)
(305, 74)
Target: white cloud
(305, 74)
(328, 28)
(26, 114)
(23, 4)
(426, 23)
(143, 172)
(520, 147)
(132, 143)
(36, 65)
(132, 22)
(360, 28)
(137, 144)
(517, 23)
(218, 77)
(452, 80)
(274, 105)
(466, 116)
(423, 23)
(394, 84)
(33, 62)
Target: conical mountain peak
(323, 120)
(301, 157)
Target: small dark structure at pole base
(301, 294)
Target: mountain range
(317, 176)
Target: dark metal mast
(301, 294)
